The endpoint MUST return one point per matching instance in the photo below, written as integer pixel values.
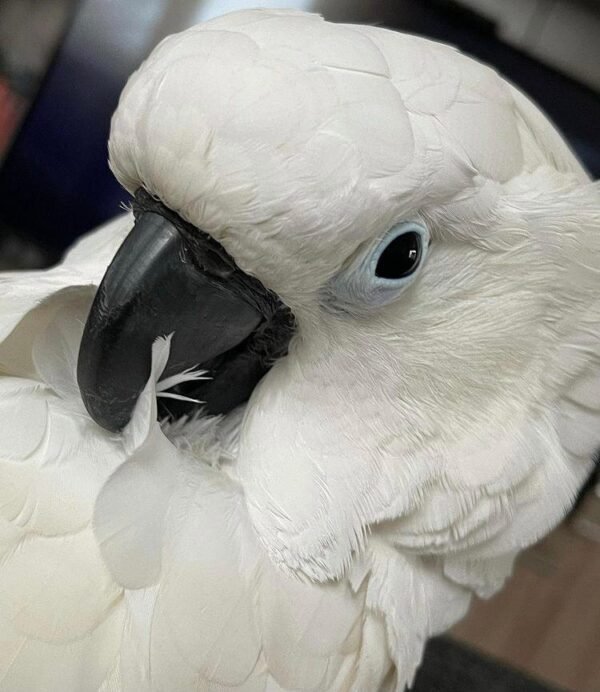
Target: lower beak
(168, 277)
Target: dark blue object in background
(55, 183)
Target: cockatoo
(376, 265)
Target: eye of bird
(378, 276)
(401, 257)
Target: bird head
(373, 239)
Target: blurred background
(63, 64)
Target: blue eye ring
(357, 288)
(400, 253)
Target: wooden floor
(547, 619)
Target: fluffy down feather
(384, 471)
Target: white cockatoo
(402, 249)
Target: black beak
(169, 277)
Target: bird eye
(377, 276)
(400, 257)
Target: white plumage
(384, 471)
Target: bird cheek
(300, 494)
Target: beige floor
(547, 619)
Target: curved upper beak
(168, 277)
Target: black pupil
(400, 258)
